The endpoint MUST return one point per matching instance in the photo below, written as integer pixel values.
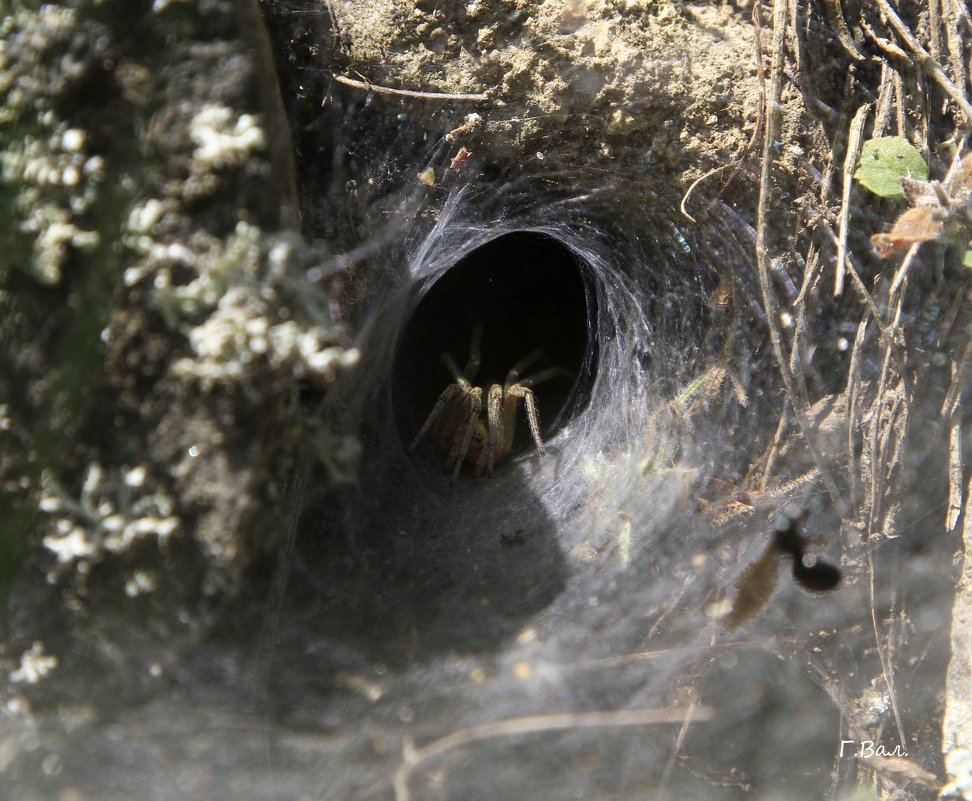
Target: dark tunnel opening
(528, 292)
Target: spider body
(477, 433)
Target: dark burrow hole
(528, 291)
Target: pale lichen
(240, 302)
(115, 509)
(57, 184)
(169, 282)
(224, 139)
(35, 664)
(47, 168)
(212, 263)
(239, 338)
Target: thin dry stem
(637, 657)
(676, 748)
(926, 62)
(900, 105)
(934, 32)
(843, 32)
(413, 757)
(956, 44)
(769, 459)
(954, 472)
(855, 136)
(762, 253)
(446, 97)
(887, 334)
(902, 271)
(884, 101)
(957, 721)
(960, 377)
(853, 377)
(880, 466)
(694, 184)
(882, 650)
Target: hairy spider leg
(474, 397)
(448, 395)
(481, 440)
(520, 366)
(501, 404)
(461, 386)
(494, 425)
(522, 389)
(511, 396)
(460, 378)
(500, 418)
(459, 449)
(460, 389)
(544, 375)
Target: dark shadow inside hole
(528, 291)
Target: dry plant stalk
(957, 722)
(855, 140)
(925, 61)
(444, 97)
(413, 757)
(772, 108)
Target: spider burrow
(458, 413)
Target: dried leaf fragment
(754, 587)
(901, 769)
(921, 224)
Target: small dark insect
(758, 581)
(809, 572)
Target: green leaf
(967, 258)
(885, 160)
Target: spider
(458, 413)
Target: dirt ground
(633, 84)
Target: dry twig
(843, 32)
(955, 43)
(957, 722)
(446, 97)
(855, 136)
(413, 756)
(954, 472)
(885, 98)
(853, 378)
(926, 62)
(762, 253)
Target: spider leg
(461, 447)
(472, 366)
(447, 395)
(520, 366)
(494, 420)
(520, 391)
(544, 375)
(453, 369)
